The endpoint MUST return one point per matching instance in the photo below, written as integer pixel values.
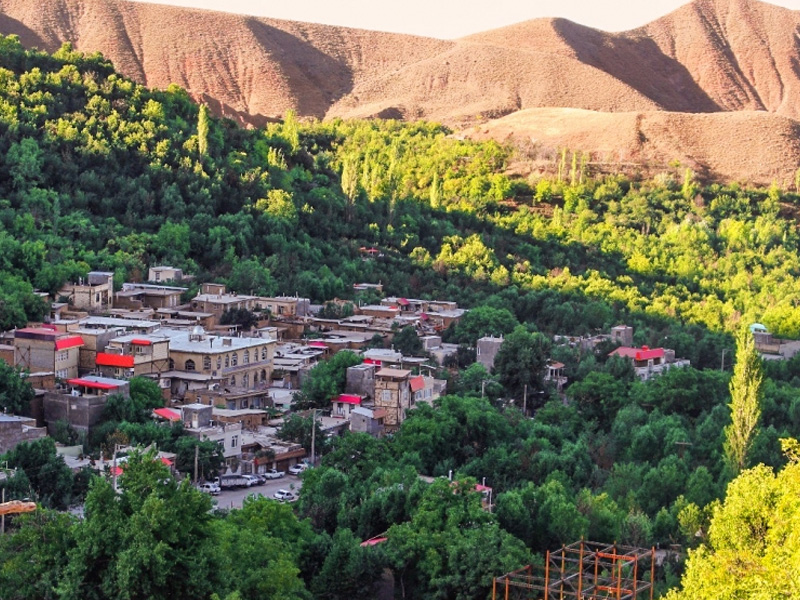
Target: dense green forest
(97, 172)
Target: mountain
(735, 59)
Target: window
(234, 441)
(233, 379)
(263, 374)
(219, 362)
(63, 355)
(227, 360)
(189, 365)
(235, 359)
(246, 357)
(206, 363)
(245, 379)
(171, 364)
(263, 353)
(387, 395)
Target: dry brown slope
(256, 66)
(755, 147)
(742, 53)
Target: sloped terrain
(709, 56)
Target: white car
(273, 474)
(298, 468)
(209, 488)
(283, 495)
(252, 480)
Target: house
(164, 274)
(262, 451)
(198, 422)
(393, 394)
(343, 405)
(622, 335)
(137, 296)
(219, 303)
(426, 389)
(649, 362)
(554, 373)
(134, 355)
(81, 401)
(487, 349)
(369, 420)
(284, 306)
(95, 294)
(231, 361)
(15, 430)
(39, 349)
(233, 398)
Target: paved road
(233, 498)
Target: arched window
(206, 363)
(235, 359)
(219, 362)
(246, 357)
(233, 379)
(245, 380)
(189, 365)
(263, 374)
(263, 353)
(227, 360)
(171, 364)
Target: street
(234, 498)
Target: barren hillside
(710, 56)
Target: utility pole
(196, 456)
(313, 434)
(525, 400)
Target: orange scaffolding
(582, 571)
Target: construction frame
(583, 571)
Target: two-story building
(134, 355)
(43, 349)
(393, 394)
(94, 294)
(81, 401)
(231, 361)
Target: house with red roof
(343, 404)
(80, 401)
(43, 349)
(649, 362)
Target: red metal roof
(114, 360)
(317, 344)
(69, 342)
(349, 398)
(92, 384)
(403, 302)
(417, 383)
(168, 413)
(139, 342)
(643, 353)
(373, 541)
(372, 361)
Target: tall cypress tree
(745, 403)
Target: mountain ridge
(708, 56)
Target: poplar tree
(202, 130)
(745, 387)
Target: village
(234, 386)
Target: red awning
(97, 385)
(114, 360)
(349, 398)
(317, 344)
(69, 342)
(166, 461)
(373, 541)
(403, 302)
(372, 361)
(417, 383)
(168, 413)
(140, 342)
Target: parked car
(209, 488)
(273, 474)
(252, 480)
(298, 468)
(283, 495)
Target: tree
(202, 130)
(15, 391)
(407, 342)
(326, 380)
(753, 548)
(745, 403)
(521, 363)
(48, 478)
